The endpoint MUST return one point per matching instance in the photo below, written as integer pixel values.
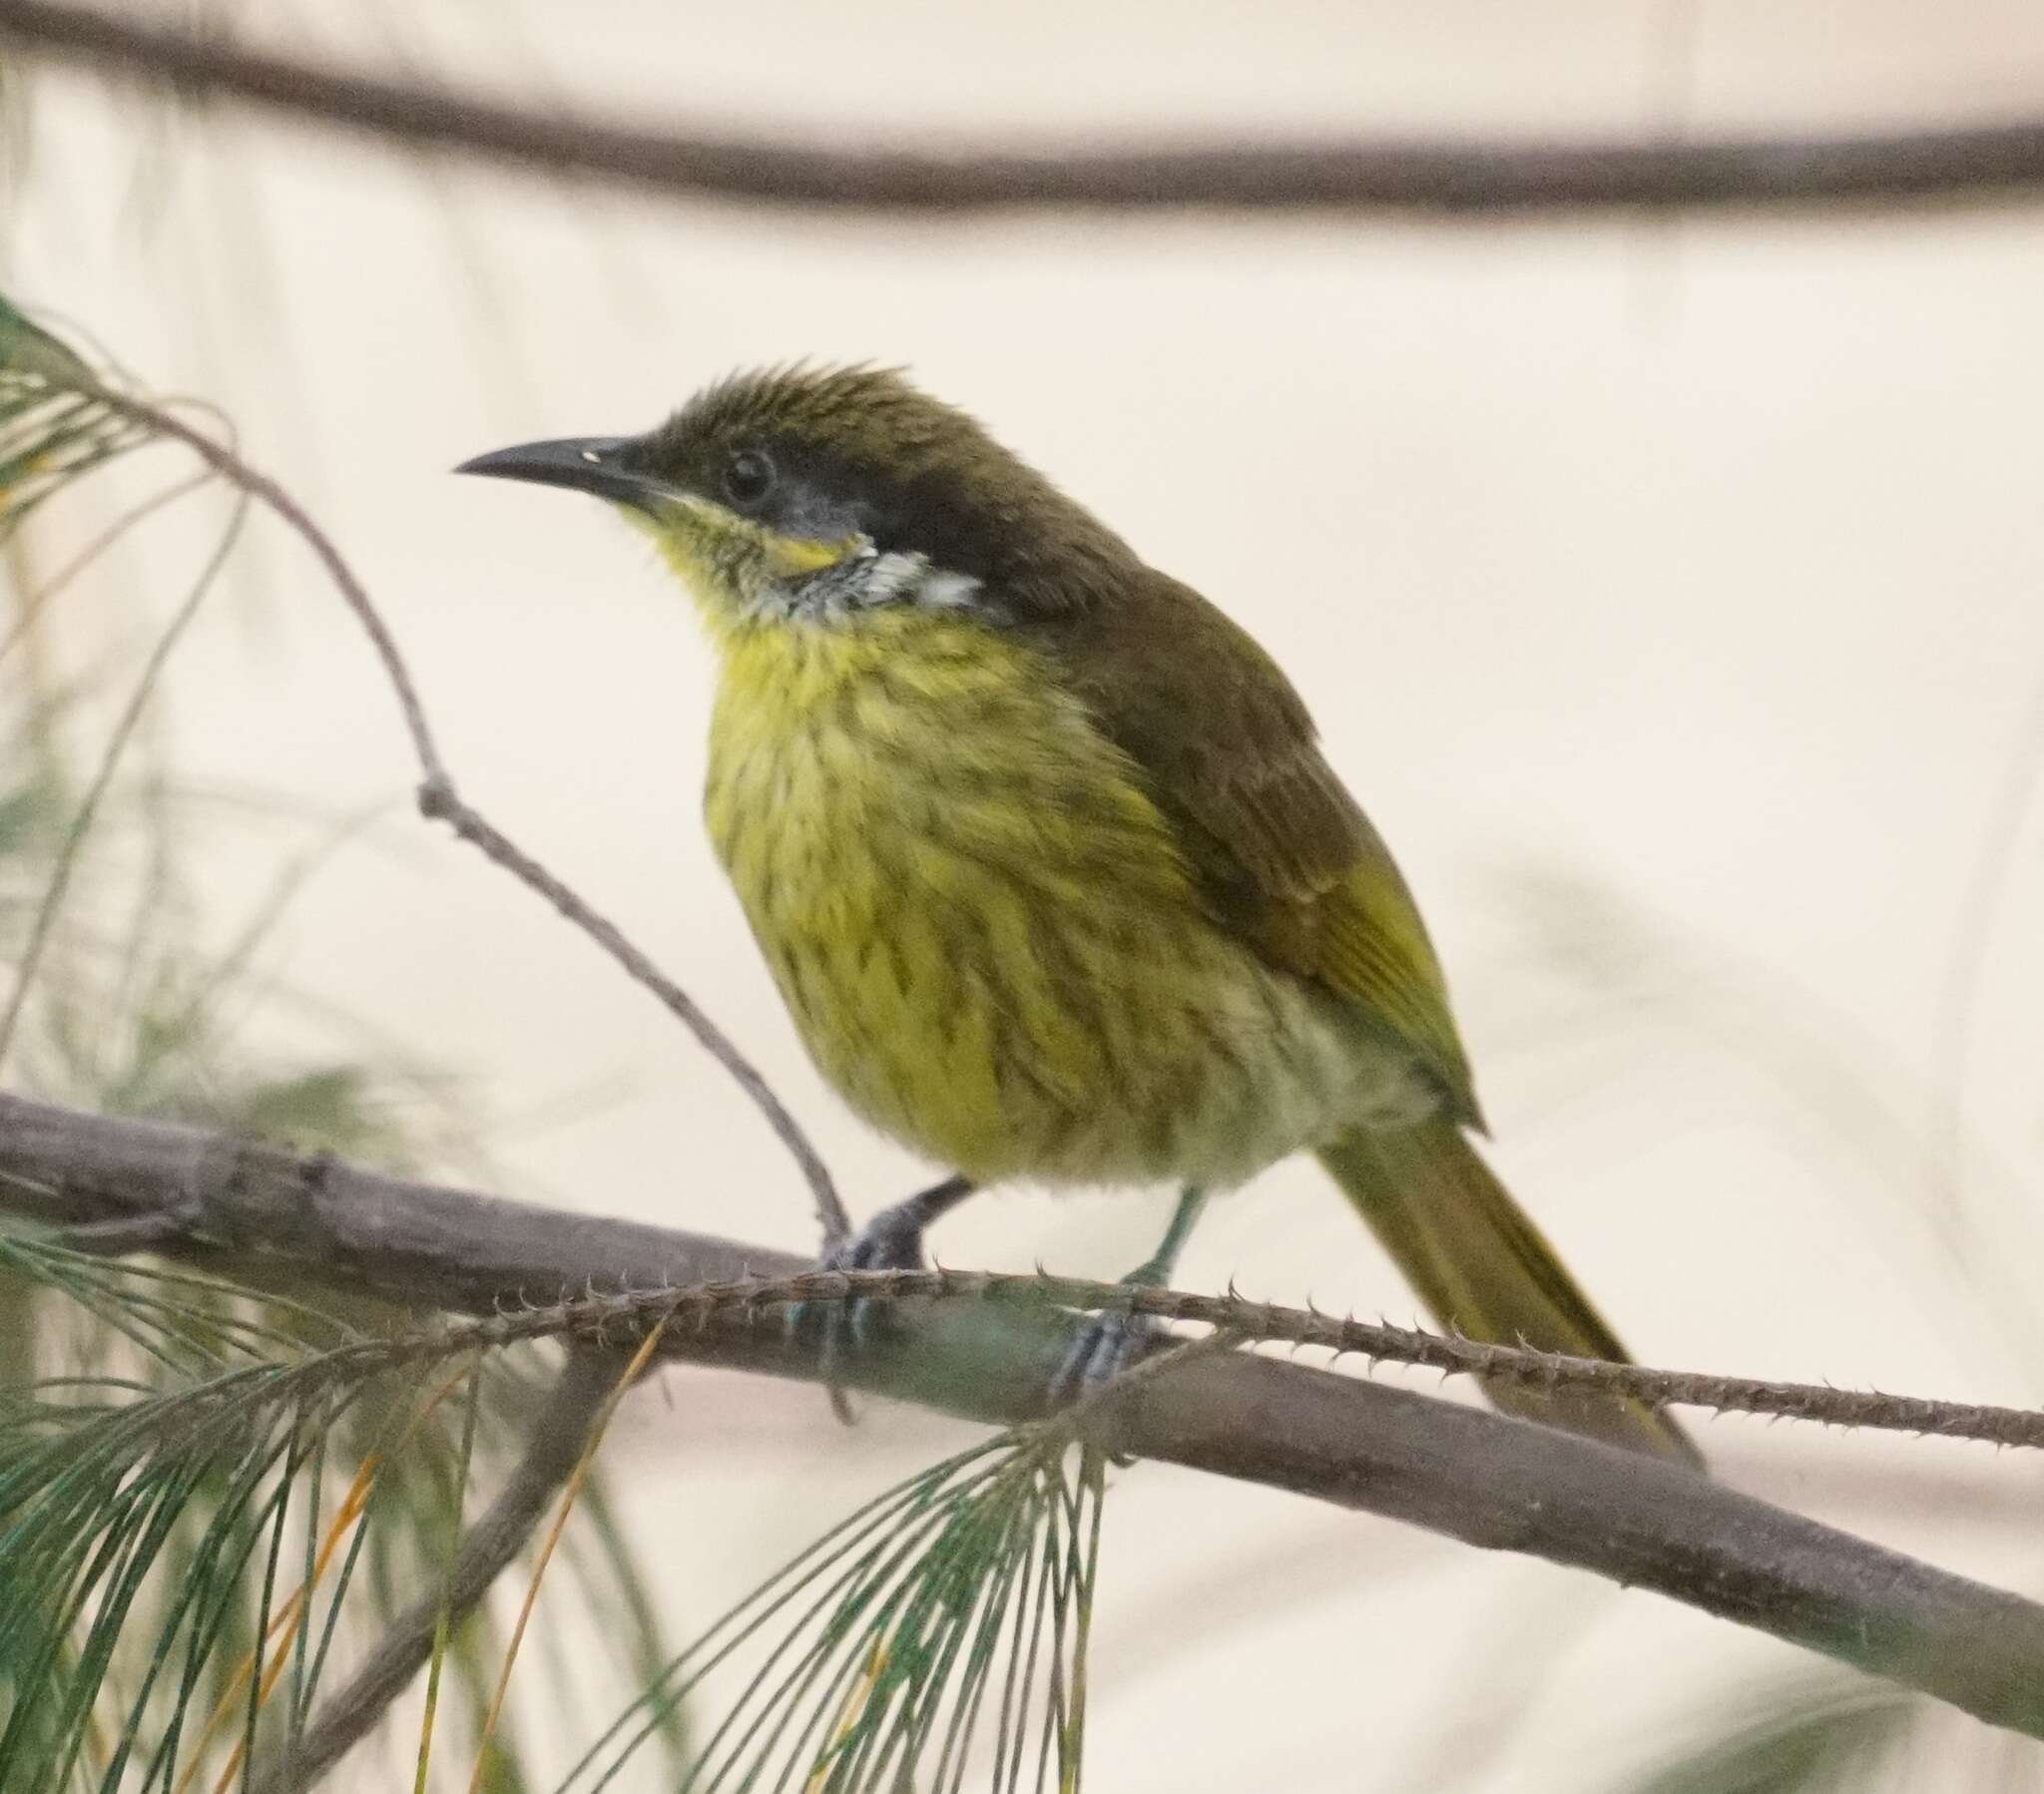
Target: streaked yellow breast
(981, 924)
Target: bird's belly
(1007, 1038)
(1005, 964)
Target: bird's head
(820, 496)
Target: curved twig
(438, 798)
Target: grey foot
(1115, 1339)
(1104, 1347)
(891, 1241)
(888, 1242)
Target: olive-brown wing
(1285, 854)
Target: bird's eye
(748, 477)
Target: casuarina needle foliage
(936, 1640)
(168, 1473)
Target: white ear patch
(946, 591)
(867, 579)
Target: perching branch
(1465, 1472)
(1492, 178)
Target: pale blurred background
(1667, 587)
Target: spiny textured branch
(1457, 1470)
(1486, 179)
(598, 1317)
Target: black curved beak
(592, 464)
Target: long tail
(1477, 1261)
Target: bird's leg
(893, 1239)
(890, 1241)
(1105, 1345)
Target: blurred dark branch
(1472, 1474)
(1495, 177)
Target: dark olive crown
(825, 453)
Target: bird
(1046, 858)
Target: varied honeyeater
(1043, 851)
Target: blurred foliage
(127, 1012)
(1815, 1735)
(53, 428)
(146, 1500)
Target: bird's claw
(890, 1241)
(1107, 1345)
(1101, 1350)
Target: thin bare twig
(438, 800)
(228, 462)
(1493, 179)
